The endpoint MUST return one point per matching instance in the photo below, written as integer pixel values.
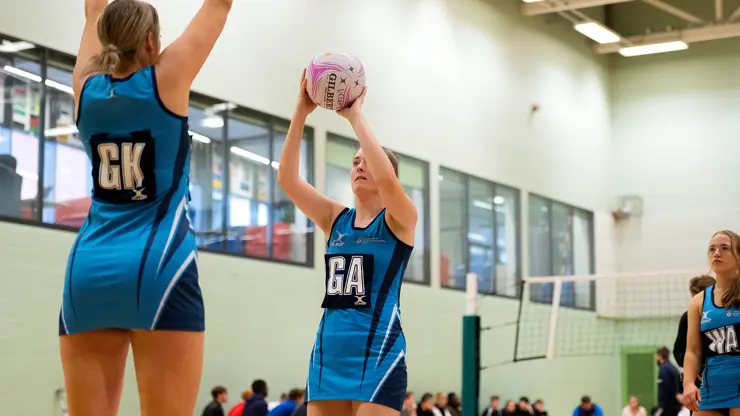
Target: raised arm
(399, 206)
(89, 45)
(181, 62)
(320, 209)
(691, 361)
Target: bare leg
(168, 370)
(94, 364)
(329, 408)
(372, 409)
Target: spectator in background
(453, 404)
(539, 408)
(697, 285)
(426, 406)
(492, 409)
(510, 409)
(669, 384)
(256, 405)
(633, 408)
(440, 408)
(278, 402)
(302, 410)
(587, 408)
(409, 405)
(215, 407)
(238, 409)
(524, 408)
(293, 401)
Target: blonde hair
(123, 28)
(731, 297)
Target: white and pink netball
(334, 79)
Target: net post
(470, 348)
(557, 291)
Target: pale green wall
(246, 300)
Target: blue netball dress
(133, 264)
(360, 350)
(720, 387)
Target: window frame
(592, 249)
(50, 57)
(426, 247)
(466, 229)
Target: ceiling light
(60, 87)
(12, 47)
(498, 200)
(597, 32)
(21, 73)
(481, 204)
(199, 137)
(249, 155)
(213, 122)
(653, 48)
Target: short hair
(426, 396)
(409, 394)
(259, 387)
(585, 400)
(393, 158)
(494, 397)
(296, 394)
(663, 352)
(698, 283)
(245, 394)
(539, 401)
(524, 399)
(217, 391)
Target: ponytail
(107, 61)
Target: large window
(561, 243)
(414, 176)
(236, 205)
(21, 90)
(479, 233)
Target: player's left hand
(353, 112)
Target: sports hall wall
(451, 83)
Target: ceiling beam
(554, 6)
(691, 35)
(658, 4)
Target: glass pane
(19, 128)
(292, 232)
(339, 154)
(480, 232)
(539, 247)
(206, 178)
(452, 217)
(249, 188)
(562, 249)
(582, 254)
(506, 203)
(414, 176)
(67, 179)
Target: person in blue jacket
(588, 408)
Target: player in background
(697, 284)
(132, 276)
(714, 316)
(358, 363)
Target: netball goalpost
(578, 316)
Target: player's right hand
(691, 397)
